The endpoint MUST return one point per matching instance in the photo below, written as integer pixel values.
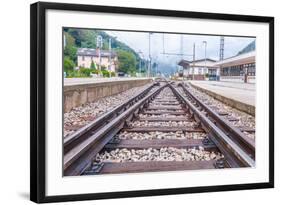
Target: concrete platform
(78, 91)
(238, 95)
(82, 81)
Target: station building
(87, 56)
(239, 68)
(199, 69)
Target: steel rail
(81, 134)
(233, 132)
(234, 154)
(79, 157)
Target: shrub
(113, 74)
(85, 71)
(105, 73)
(94, 71)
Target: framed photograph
(129, 102)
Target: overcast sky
(139, 42)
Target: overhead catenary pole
(140, 61)
(163, 43)
(205, 43)
(181, 46)
(149, 51)
(193, 62)
(140, 66)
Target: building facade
(198, 69)
(101, 58)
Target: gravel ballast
(163, 154)
(235, 117)
(161, 135)
(163, 124)
(82, 115)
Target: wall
(104, 62)
(14, 104)
(76, 95)
(251, 79)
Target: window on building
(241, 70)
(252, 69)
(83, 58)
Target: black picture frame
(38, 100)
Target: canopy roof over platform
(245, 58)
(198, 63)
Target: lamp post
(109, 48)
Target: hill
(250, 47)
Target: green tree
(127, 62)
(70, 49)
(68, 64)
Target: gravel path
(163, 154)
(82, 115)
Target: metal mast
(221, 48)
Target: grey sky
(139, 42)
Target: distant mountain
(166, 68)
(250, 47)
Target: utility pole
(193, 64)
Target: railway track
(164, 128)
